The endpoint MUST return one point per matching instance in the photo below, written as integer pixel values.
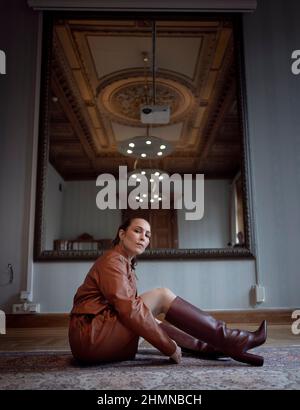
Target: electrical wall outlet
(18, 308)
(26, 295)
(21, 308)
(33, 307)
(260, 295)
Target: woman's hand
(176, 356)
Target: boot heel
(250, 358)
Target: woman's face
(136, 238)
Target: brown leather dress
(108, 317)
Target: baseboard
(273, 316)
(37, 320)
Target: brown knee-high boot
(190, 344)
(233, 342)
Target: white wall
(55, 284)
(213, 230)
(18, 39)
(271, 34)
(80, 212)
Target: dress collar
(119, 248)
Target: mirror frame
(245, 252)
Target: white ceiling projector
(155, 114)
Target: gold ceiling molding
(96, 139)
(105, 103)
(121, 99)
(103, 107)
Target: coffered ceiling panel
(113, 54)
(102, 75)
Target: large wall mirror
(100, 75)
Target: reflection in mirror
(152, 97)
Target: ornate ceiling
(99, 80)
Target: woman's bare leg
(158, 300)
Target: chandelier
(144, 145)
(154, 177)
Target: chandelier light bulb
(149, 145)
(143, 155)
(159, 153)
(151, 193)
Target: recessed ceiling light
(148, 142)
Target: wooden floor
(56, 339)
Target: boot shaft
(199, 324)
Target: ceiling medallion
(121, 99)
(128, 100)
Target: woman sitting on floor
(108, 316)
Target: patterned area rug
(150, 371)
